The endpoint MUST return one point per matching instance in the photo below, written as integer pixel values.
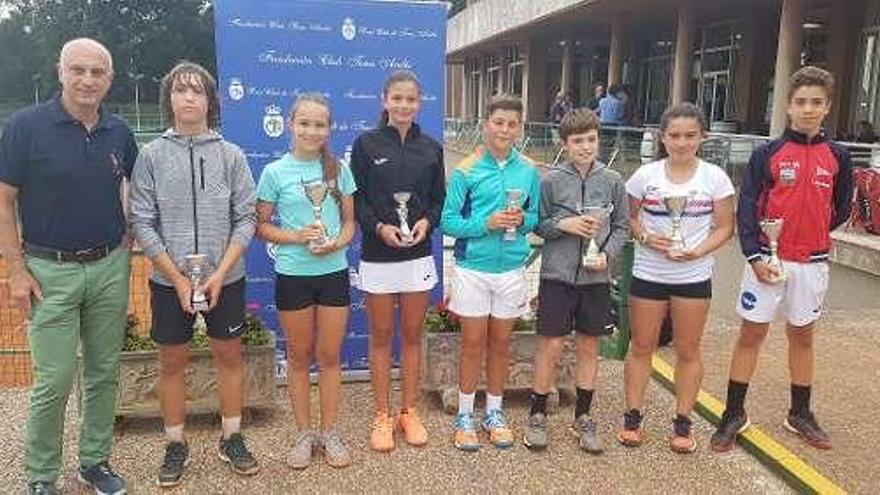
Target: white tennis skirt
(391, 277)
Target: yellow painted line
(797, 472)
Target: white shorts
(477, 294)
(803, 292)
(418, 275)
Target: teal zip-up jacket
(476, 190)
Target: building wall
(488, 18)
(494, 23)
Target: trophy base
(318, 244)
(199, 303)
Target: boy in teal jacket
(491, 204)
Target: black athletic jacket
(383, 165)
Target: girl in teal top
(312, 285)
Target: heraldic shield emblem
(236, 89)
(273, 122)
(349, 31)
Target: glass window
(514, 78)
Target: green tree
(146, 37)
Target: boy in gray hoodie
(584, 222)
(193, 198)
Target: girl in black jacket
(400, 191)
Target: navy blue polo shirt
(68, 178)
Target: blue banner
(268, 52)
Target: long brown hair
(329, 163)
(182, 72)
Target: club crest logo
(349, 30)
(273, 122)
(236, 89)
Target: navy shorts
(657, 291)
(172, 326)
(295, 292)
(563, 308)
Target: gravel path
(436, 468)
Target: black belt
(80, 256)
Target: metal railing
(627, 148)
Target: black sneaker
(805, 425)
(234, 452)
(42, 488)
(731, 425)
(176, 459)
(102, 479)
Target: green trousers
(83, 303)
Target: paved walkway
(846, 394)
(437, 468)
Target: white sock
(174, 433)
(493, 402)
(465, 402)
(230, 426)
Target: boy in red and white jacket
(805, 180)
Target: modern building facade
(732, 58)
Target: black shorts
(294, 292)
(172, 326)
(563, 308)
(658, 291)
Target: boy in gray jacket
(584, 222)
(193, 199)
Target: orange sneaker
(413, 429)
(682, 440)
(382, 436)
(632, 434)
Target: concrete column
(565, 78)
(617, 49)
(788, 58)
(455, 84)
(535, 97)
(684, 56)
(843, 41)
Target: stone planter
(441, 367)
(138, 394)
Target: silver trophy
(316, 192)
(590, 256)
(676, 206)
(772, 228)
(513, 198)
(197, 270)
(402, 198)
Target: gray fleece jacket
(172, 170)
(562, 190)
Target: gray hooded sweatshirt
(188, 190)
(562, 191)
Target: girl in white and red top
(668, 279)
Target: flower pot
(138, 391)
(441, 367)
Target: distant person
(611, 107)
(865, 132)
(625, 95)
(596, 97)
(559, 108)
